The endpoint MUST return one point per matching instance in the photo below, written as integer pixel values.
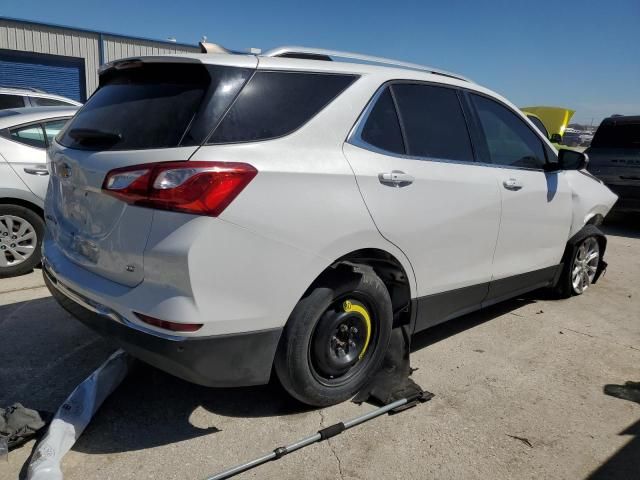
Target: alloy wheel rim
(585, 265)
(18, 240)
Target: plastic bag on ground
(74, 415)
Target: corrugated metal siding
(26, 37)
(53, 74)
(115, 48)
(54, 41)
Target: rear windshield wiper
(90, 136)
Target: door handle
(512, 184)
(396, 178)
(40, 171)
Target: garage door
(49, 73)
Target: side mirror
(556, 138)
(572, 160)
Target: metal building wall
(54, 41)
(116, 47)
(40, 38)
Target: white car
(223, 215)
(32, 97)
(25, 134)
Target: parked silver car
(32, 97)
(25, 134)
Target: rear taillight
(201, 188)
(167, 325)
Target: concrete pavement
(519, 394)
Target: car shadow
(150, 408)
(622, 224)
(625, 463)
(471, 320)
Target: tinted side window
(382, 128)
(48, 102)
(11, 101)
(274, 104)
(511, 142)
(29, 135)
(53, 128)
(433, 121)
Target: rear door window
(154, 105)
(382, 128)
(510, 141)
(433, 122)
(11, 101)
(274, 104)
(31, 135)
(53, 128)
(48, 102)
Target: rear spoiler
(133, 62)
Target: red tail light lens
(167, 325)
(201, 188)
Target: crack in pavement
(601, 338)
(333, 450)
(22, 289)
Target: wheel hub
(17, 240)
(585, 265)
(341, 339)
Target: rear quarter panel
(304, 198)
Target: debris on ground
(19, 424)
(522, 439)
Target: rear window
(617, 134)
(274, 104)
(49, 102)
(154, 105)
(11, 101)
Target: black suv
(614, 157)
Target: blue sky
(583, 55)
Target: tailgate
(143, 113)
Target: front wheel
(335, 339)
(579, 273)
(21, 231)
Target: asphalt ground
(519, 394)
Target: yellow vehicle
(551, 121)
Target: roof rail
(24, 89)
(323, 54)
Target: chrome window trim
(355, 134)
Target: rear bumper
(232, 360)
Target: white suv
(222, 215)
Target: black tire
(38, 225)
(300, 359)
(564, 288)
